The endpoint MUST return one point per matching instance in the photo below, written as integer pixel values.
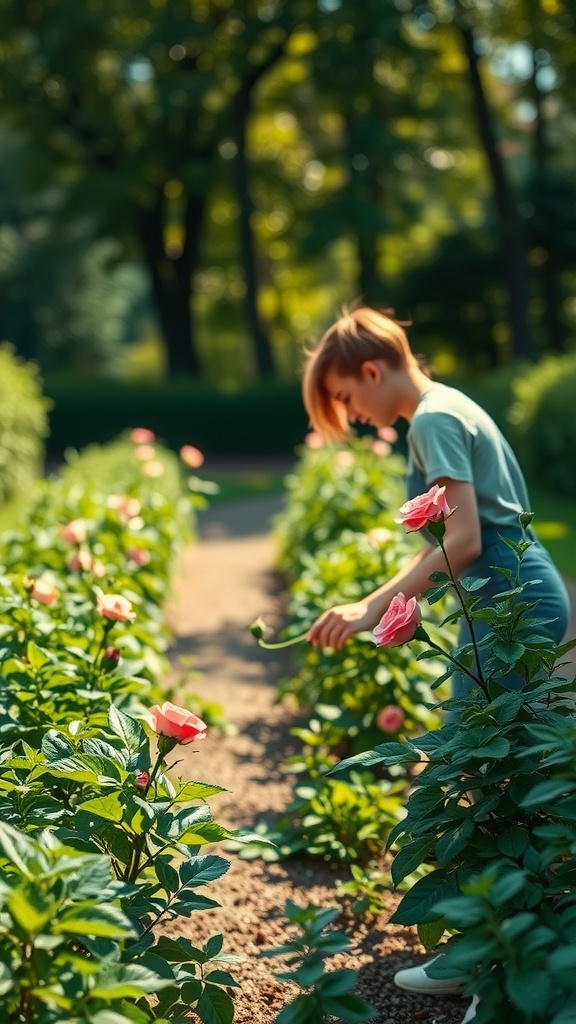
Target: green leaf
(126, 981)
(127, 728)
(215, 1006)
(431, 933)
(203, 869)
(37, 656)
(55, 746)
(546, 791)
(410, 857)
(103, 921)
(472, 583)
(349, 1008)
(384, 753)
(18, 848)
(419, 904)
(107, 807)
(214, 946)
(509, 653)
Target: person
(364, 371)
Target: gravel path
(225, 582)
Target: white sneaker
(471, 1011)
(415, 979)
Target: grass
(246, 484)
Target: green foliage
(23, 423)
(325, 993)
(543, 421)
(100, 841)
(491, 818)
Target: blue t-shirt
(451, 436)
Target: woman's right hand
(336, 625)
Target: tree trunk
(262, 349)
(512, 235)
(171, 281)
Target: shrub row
(264, 419)
(99, 843)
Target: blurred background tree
(194, 187)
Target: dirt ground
(225, 582)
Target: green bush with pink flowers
(100, 840)
(337, 541)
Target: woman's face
(370, 398)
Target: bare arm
(463, 544)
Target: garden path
(224, 583)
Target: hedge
(265, 419)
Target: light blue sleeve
(442, 447)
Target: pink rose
(44, 592)
(153, 469)
(142, 780)
(399, 623)
(390, 719)
(80, 561)
(74, 532)
(191, 456)
(176, 723)
(144, 452)
(126, 507)
(425, 508)
(141, 435)
(138, 555)
(114, 606)
(314, 440)
(388, 434)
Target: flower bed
(99, 843)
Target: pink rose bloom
(144, 452)
(126, 507)
(114, 606)
(191, 456)
(176, 723)
(142, 780)
(44, 592)
(399, 622)
(141, 435)
(153, 469)
(80, 561)
(74, 532)
(138, 555)
(390, 719)
(388, 434)
(314, 440)
(381, 448)
(425, 508)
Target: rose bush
(489, 822)
(106, 843)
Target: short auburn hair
(357, 336)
